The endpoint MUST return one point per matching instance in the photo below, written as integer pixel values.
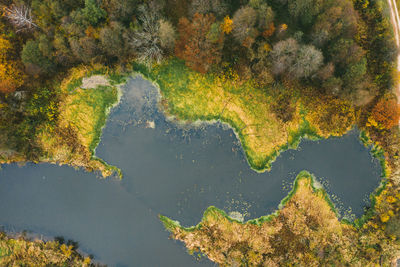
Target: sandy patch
(94, 81)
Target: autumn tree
(113, 41)
(340, 19)
(167, 35)
(122, 10)
(244, 22)
(84, 49)
(11, 77)
(299, 61)
(284, 55)
(265, 14)
(218, 7)
(227, 25)
(308, 60)
(200, 43)
(385, 114)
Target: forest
(340, 49)
(334, 50)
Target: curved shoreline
(304, 131)
(170, 224)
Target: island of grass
(305, 231)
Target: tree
(345, 52)
(355, 75)
(308, 60)
(298, 61)
(244, 21)
(91, 14)
(283, 55)
(218, 7)
(31, 54)
(120, 10)
(227, 25)
(265, 14)
(85, 49)
(338, 20)
(385, 114)
(20, 16)
(304, 10)
(11, 77)
(196, 45)
(112, 40)
(167, 35)
(145, 40)
(63, 54)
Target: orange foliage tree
(385, 114)
(199, 43)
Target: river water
(174, 171)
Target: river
(174, 171)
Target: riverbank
(263, 128)
(79, 117)
(306, 226)
(21, 251)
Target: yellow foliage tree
(11, 77)
(227, 25)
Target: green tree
(91, 14)
(32, 55)
(112, 40)
(304, 11)
(120, 10)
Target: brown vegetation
(305, 232)
(196, 44)
(385, 114)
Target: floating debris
(150, 124)
(236, 216)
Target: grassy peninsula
(82, 115)
(75, 119)
(305, 231)
(254, 113)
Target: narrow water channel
(174, 171)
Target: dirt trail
(394, 15)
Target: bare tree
(20, 16)
(146, 41)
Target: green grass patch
(190, 96)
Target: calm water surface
(174, 171)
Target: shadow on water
(174, 171)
